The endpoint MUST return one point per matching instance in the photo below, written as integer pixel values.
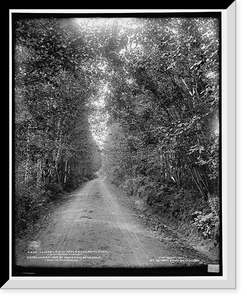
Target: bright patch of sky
(99, 118)
(128, 23)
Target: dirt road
(93, 229)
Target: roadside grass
(177, 222)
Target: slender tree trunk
(58, 154)
(39, 172)
(167, 166)
(27, 163)
(162, 165)
(196, 182)
(200, 179)
(65, 172)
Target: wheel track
(122, 222)
(93, 219)
(67, 235)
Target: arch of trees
(162, 106)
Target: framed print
(122, 138)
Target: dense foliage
(151, 83)
(163, 141)
(54, 147)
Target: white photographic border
(228, 106)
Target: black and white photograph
(117, 144)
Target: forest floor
(99, 226)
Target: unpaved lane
(93, 229)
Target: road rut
(93, 229)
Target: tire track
(122, 221)
(92, 221)
(66, 237)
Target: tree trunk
(39, 172)
(27, 164)
(168, 173)
(195, 179)
(65, 172)
(59, 147)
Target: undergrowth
(31, 203)
(183, 208)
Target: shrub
(207, 225)
(203, 224)
(30, 201)
(135, 186)
(116, 176)
(214, 203)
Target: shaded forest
(135, 98)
